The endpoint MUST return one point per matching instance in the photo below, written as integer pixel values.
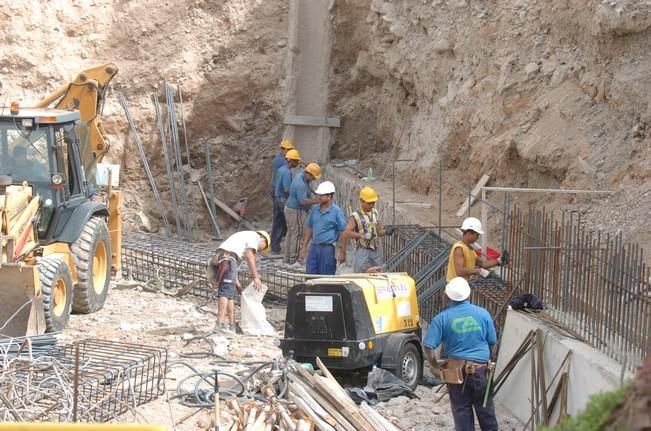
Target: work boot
(228, 329)
(219, 327)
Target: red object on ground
(240, 206)
(491, 253)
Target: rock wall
(228, 57)
(550, 94)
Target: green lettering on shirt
(462, 325)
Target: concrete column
(308, 69)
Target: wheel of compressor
(56, 288)
(410, 365)
(92, 253)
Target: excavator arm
(86, 94)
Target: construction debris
(314, 401)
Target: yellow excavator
(60, 235)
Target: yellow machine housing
(356, 321)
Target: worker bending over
(223, 268)
(281, 193)
(466, 333)
(299, 202)
(463, 261)
(364, 227)
(324, 224)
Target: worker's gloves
(389, 230)
(504, 258)
(368, 236)
(484, 272)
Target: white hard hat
(472, 224)
(458, 289)
(325, 188)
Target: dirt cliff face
(535, 94)
(228, 58)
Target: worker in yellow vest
(365, 228)
(463, 261)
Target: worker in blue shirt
(278, 161)
(324, 224)
(281, 193)
(298, 203)
(466, 333)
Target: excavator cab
(59, 240)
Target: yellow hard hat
(266, 236)
(314, 169)
(367, 194)
(293, 154)
(287, 144)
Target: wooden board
(306, 120)
(481, 183)
(228, 210)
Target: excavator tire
(92, 255)
(56, 288)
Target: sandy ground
(154, 319)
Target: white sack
(253, 316)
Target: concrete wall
(590, 371)
(308, 74)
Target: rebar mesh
(112, 379)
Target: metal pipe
(211, 188)
(144, 161)
(168, 167)
(174, 133)
(393, 184)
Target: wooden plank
(304, 394)
(228, 210)
(333, 392)
(312, 121)
(342, 423)
(475, 191)
(378, 417)
(307, 409)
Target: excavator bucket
(21, 303)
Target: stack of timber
(314, 402)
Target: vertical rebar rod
(193, 220)
(145, 163)
(440, 196)
(168, 166)
(75, 395)
(211, 188)
(171, 109)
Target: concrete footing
(590, 371)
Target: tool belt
(218, 265)
(454, 370)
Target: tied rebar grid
(111, 378)
(591, 283)
(421, 253)
(178, 264)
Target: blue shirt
(283, 182)
(466, 331)
(278, 161)
(299, 190)
(326, 226)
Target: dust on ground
(154, 319)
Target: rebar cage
(88, 381)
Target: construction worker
(323, 227)
(467, 334)
(278, 161)
(222, 272)
(463, 261)
(281, 193)
(364, 226)
(298, 203)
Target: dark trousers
(469, 395)
(278, 224)
(321, 260)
